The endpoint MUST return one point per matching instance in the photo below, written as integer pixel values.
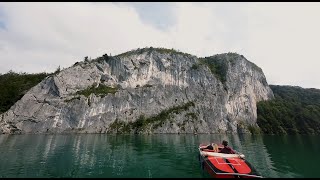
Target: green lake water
(150, 156)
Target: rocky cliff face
(144, 91)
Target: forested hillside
(14, 85)
(294, 110)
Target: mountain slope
(150, 90)
(294, 110)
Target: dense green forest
(294, 110)
(14, 85)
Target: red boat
(220, 165)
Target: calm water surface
(149, 156)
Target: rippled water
(154, 156)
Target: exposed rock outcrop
(144, 91)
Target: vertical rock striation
(144, 91)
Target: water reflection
(156, 156)
(294, 155)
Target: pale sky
(281, 38)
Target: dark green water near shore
(150, 156)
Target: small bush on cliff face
(57, 70)
(192, 115)
(159, 119)
(195, 66)
(119, 127)
(254, 129)
(217, 66)
(101, 90)
(147, 85)
(142, 122)
(76, 63)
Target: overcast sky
(281, 38)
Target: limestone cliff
(148, 90)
